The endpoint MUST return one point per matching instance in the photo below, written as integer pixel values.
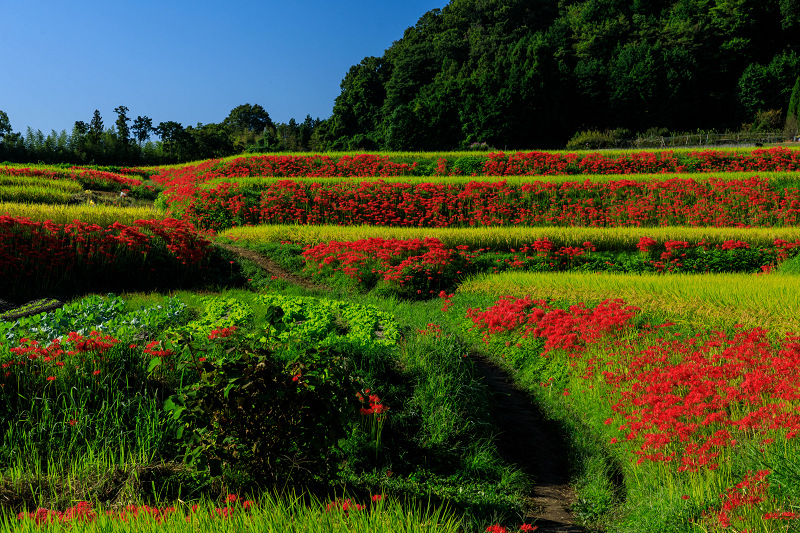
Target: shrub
(248, 413)
(593, 139)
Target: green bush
(251, 416)
(469, 165)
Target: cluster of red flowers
(391, 260)
(424, 264)
(346, 505)
(683, 401)
(372, 404)
(673, 395)
(221, 333)
(689, 202)
(497, 528)
(570, 330)
(96, 342)
(104, 177)
(434, 330)
(34, 172)
(675, 392)
(543, 163)
(675, 253)
(40, 250)
(751, 492)
(404, 261)
(82, 512)
(46, 359)
(85, 175)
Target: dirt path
(270, 266)
(535, 446)
(527, 440)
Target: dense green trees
(5, 125)
(247, 127)
(793, 113)
(529, 73)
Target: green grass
(272, 513)
(28, 194)
(437, 440)
(37, 190)
(27, 181)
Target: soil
(527, 440)
(535, 446)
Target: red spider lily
(151, 350)
(345, 506)
(221, 333)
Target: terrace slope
(526, 439)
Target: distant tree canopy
(247, 127)
(529, 73)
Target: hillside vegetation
(521, 74)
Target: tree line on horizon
(511, 74)
(128, 141)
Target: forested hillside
(529, 73)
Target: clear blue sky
(186, 60)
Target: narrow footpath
(536, 447)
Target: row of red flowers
(421, 267)
(181, 183)
(87, 176)
(544, 163)
(45, 253)
(688, 202)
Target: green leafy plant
(249, 414)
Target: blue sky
(186, 60)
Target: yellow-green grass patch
(778, 179)
(101, 215)
(623, 238)
(700, 300)
(26, 194)
(35, 181)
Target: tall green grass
(28, 194)
(33, 181)
(272, 513)
(25, 189)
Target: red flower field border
(672, 202)
(44, 254)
